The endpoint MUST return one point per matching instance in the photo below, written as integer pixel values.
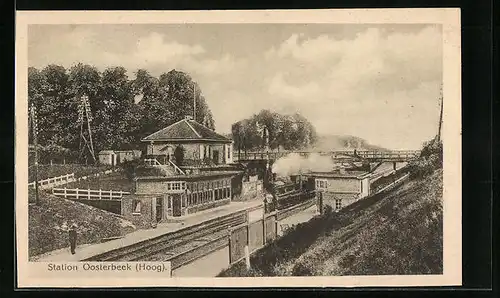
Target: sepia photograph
(228, 149)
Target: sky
(378, 82)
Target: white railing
(176, 168)
(152, 162)
(65, 179)
(54, 181)
(88, 194)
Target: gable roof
(186, 130)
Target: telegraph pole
(194, 101)
(34, 129)
(440, 117)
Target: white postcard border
(448, 17)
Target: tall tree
(113, 108)
(288, 131)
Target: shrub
(179, 154)
(431, 158)
(130, 168)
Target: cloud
(152, 51)
(279, 87)
(380, 83)
(376, 85)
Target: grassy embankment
(395, 232)
(48, 223)
(114, 181)
(50, 171)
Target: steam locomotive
(294, 183)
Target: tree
(289, 131)
(116, 101)
(124, 111)
(179, 154)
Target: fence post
(100, 193)
(66, 193)
(110, 194)
(88, 193)
(247, 257)
(229, 245)
(264, 228)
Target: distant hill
(336, 142)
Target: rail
(149, 248)
(89, 194)
(393, 184)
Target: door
(176, 205)
(159, 209)
(215, 157)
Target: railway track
(169, 243)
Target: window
(176, 185)
(321, 183)
(338, 204)
(228, 152)
(136, 206)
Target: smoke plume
(293, 164)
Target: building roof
(344, 196)
(337, 174)
(107, 152)
(201, 175)
(186, 130)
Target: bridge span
(340, 155)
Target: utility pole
(84, 111)
(34, 130)
(194, 101)
(440, 116)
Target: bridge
(340, 155)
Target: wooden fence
(253, 234)
(65, 179)
(89, 194)
(54, 181)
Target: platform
(86, 251)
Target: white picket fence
(65, 179)
(88, 194)
(54, 181)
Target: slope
(399, 232)
(49, 221)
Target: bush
(431, 158)
(56, 154)
(179, 155)
(130, 168)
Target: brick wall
(151, 186)
(191, 150)
(214, 204)
(147, 215)
(329, 199)
(344, 185)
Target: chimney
(188, 117)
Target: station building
(341, 188)
(200, 144)
(205, 177)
